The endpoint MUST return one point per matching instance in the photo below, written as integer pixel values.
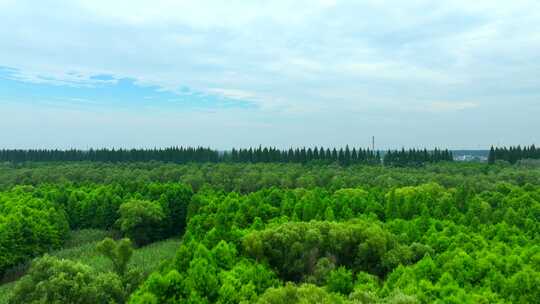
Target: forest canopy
(451, 232)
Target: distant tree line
(416, 156)
(344, 156)
(513, 154)
(173, 154)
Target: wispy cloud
(233, 93)
(106, 92)
(302, 64)
(447, 106)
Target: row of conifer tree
(416, 156)
(513, 154)
(343, 156)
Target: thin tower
(373, 143)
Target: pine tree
(491, 156)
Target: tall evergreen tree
(491, 156)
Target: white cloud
(398, 71)
(269, 48)
(446, 106)
(204, 13)
(312, 58)
(234, 94)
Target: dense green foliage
(54, 280)
(308, 293)
(287, 233)
(97, 180)
(51, 280)
(34, 220)
(29, 227)
(5, 291)
(82, 246)
(291, 294)
(294, 249)
(426, 241)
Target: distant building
(470, 158)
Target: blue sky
(106, 91)
(458, 74)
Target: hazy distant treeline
(343, 156)
(513, 154)
(416, 156)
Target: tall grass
(79, 240)
(85, 236)
(147, 258)
(150, 257)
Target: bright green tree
(141, 221)
(51, 280)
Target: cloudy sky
(93, 73)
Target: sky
(92, 73)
